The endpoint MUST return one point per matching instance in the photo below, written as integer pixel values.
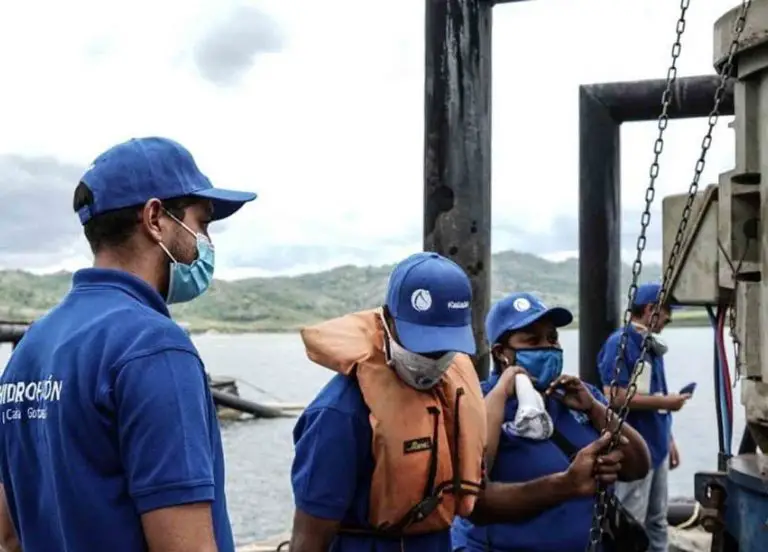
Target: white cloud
(326, 123)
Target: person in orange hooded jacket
(392, 448)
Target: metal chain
(601, 500)
(597, 529)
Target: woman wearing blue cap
(538, 419)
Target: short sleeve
(606, 363)
(325, 467)
(597, 394)
(164, 430)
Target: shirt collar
(124, 281)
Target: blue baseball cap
(430, 300)
(131, 173)
(518, 310)
(647, 294)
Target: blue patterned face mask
(189, 281)
(543, 363)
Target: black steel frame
(602, 110)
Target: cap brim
(431, 339)
(558, 315)
(225, 202)
(671, 307)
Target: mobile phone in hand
(688, 389)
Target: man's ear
(150, 219)
(649, 311)
(498, 356)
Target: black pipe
(12, 332)
(457, 146)
(599, 230)
(634, 101)
(220, 398)
(602, 110)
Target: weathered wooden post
(457, 145)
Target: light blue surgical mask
(544, 363)
(189, 281)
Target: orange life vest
(428, 447)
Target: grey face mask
(415, 370)
(656, 344)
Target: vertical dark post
(599, 230)
(457, 146)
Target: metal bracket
(709, 489)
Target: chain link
(601, 499)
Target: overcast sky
(317, 105)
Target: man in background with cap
(109, 439)
(393, 447)
(650, 411)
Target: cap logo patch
(421, 300)
(521, 304)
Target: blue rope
(723, 434)
(724, 431)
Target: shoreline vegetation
(685, 319)
(285, 304)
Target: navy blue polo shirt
(333, 468)
(562, 528)
(654, 425)
(105, 414)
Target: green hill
(287, 303)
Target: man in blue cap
(650, 410)
(109, 437)
(539, 420)
(393, 447)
